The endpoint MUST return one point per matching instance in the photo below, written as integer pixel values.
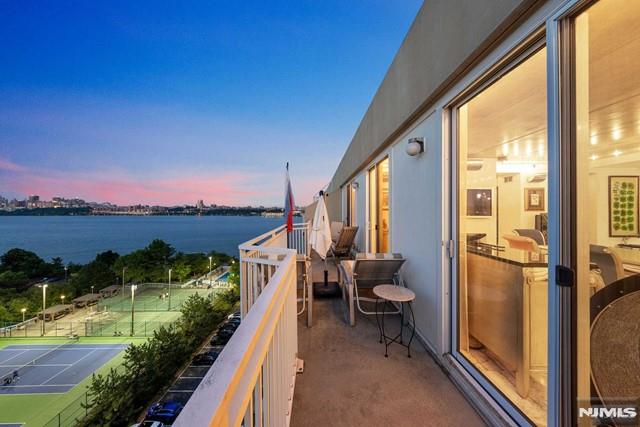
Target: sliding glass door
(599, 119)
(379, 207)
(501, 217)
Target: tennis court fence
(99, 327)
(151, 297)
(72, 414)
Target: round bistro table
(397, 294)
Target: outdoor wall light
(415, 146)
(355, 185)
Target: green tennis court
(152, 298)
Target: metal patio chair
(342, 247)
(358, 278)
(305, 283)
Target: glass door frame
(530, 45)
(563, 201)
(373, 203)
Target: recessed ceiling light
(616, 134)
(617, 153)
(594, 157)
(594, 140)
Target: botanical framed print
(623, 206)
(479, 202)
(534, 199)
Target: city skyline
(166, 105)
(34, 201)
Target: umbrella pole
(326, 273)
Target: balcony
(346, 379)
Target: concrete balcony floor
(347, 381)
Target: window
(379, 208)
(351, 204)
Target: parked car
(148, 423)
(227, 329)
(166, 412)
(234, 321)
(221, 339)
(206, 359)
(235, 315)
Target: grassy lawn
(37, 409)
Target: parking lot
(187, 382)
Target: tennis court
(152, 298)
(51, 368)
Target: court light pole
(210, 260)
(170, 270)
(92, 289)
(44, 306)
(65, 274)
(24, 311)
(62, 298)
(123, 270)
(133, 296)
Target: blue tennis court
(51, 368)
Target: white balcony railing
(252, 381)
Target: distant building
(200, 204)
(33, 201)
(273, 214)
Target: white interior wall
(416, 206)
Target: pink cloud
(7, 165)
(230, 188)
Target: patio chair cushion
(371, 269)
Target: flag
(289, 204)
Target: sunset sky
(170, 102)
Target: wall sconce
(415, 146)
(355, 185)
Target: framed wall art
(534, 199)
(479, 202)
(623, 206)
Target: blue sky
(169, 102)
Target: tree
(149, 264)
(12, 279)
(22, 261)
(98, 273)
(56, 268)
(118, 397)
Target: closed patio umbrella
(321, 233)
(320, 229)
